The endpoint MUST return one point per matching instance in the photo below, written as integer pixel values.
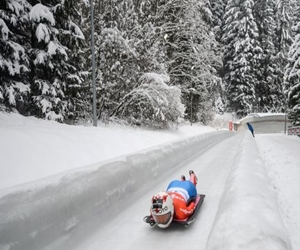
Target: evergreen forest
(156, 61)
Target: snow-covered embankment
(38, 215)
(248, 215)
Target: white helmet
(162, 209)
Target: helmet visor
(162, 218)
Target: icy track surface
(251, 187)
(241, 209)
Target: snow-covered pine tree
(207, 55)
(292, 73)
(215, 20)
(128, 47)
(47, 55)
(150, 43)
(283, 35)
(242, 55)
(283, 24)
(218, 11)
(84, 92)
(268, 92)
(73, 73)
(190, 50)
(118, 69)
(14, 63)
(213, 12)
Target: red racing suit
(182, 192)
(181, 209)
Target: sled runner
(186, 222)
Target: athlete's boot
(193, 177)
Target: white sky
(251, 187)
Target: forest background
(157, 61)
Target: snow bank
(45, 148)
(282, 160)
(35, 215)
(248, 215)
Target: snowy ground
(32, 148)
(251, 186)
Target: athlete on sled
(178, 202)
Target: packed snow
(83, 187)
